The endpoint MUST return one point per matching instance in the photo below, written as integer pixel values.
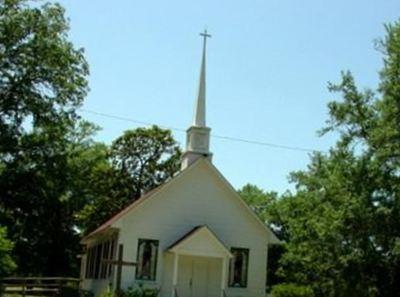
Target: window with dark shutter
(147, 259)
(238, 267)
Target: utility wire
(107, 115)
(229, 138)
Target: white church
(191, 237)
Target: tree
(6, 263)
(42, 76)
(343, 222)
(42, 191)
(43, 79)
(147, 156)
(141, 160)
(258, 200)
(263, 203)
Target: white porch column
(223, 276)
(175, 274)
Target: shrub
(137, 291)
(7, 264)
(291, 290)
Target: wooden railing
(38, 286)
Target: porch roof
(200, 241)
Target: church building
(191, 237)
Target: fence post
(23, 287)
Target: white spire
(198, 135)
(199, 119)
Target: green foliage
(42, 192)
(43, 78)
(43, 81)
(55, 181)
(258, 200)
(141, 159)
(108, 292)
(147, 156)
(254, 196)
(7, 264)
(263, 203)
(137, 291)
(291, 290)
(342, 226)
(67, 291)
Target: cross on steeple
(205, 36)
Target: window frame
(246, 271)
(154, 276)
(94, 268)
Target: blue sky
(268, 64)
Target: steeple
(198, 135)
(199, 119)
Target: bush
(138, 291)
(7, 264)
(291, 290)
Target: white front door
(199, 276)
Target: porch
(200, 264)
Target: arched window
(147, 259)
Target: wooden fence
(39, 286)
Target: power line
(107, 115)
(229, 138)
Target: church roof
(125, 210)
(153, 193)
